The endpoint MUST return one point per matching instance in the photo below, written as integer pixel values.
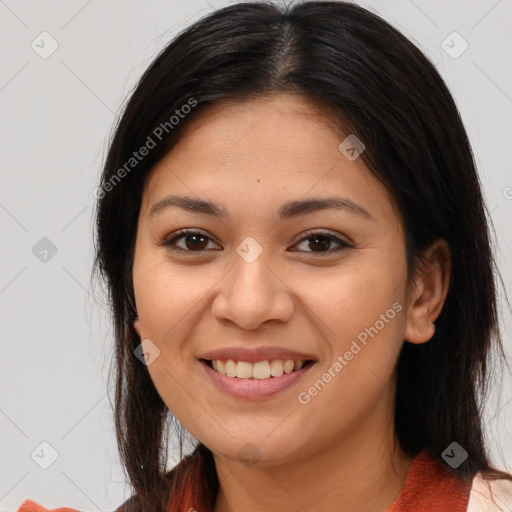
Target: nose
(251, 295)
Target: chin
(257, 450)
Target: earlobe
(136, 325)
(429, 294)
(419, 332)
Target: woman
(296, 247)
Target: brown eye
(195, 241)
(320, 241)
(191, 241)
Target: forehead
(264, 150)
(282, 123)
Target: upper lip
(253, 355)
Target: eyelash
(169, 243)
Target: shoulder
(130, 505)
(32, 506)
(490, 495)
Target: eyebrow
(288, 210)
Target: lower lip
(253, 389)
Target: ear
(428, 293)
(136, 325)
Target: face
(260, 280)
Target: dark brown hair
(385, 91)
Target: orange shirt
(429, 487)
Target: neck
(362, 473)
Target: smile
(261, 384)
(260, 370)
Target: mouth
(258, 380)
(259, 370)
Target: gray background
(57, 114)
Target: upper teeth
(259, 370)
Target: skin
(337, 452)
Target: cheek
(165, 294)
(170, 301)
(364, 314)
(168, 304)
(363, 321)
(351, 299)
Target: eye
(322, 240)
(196, 241)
